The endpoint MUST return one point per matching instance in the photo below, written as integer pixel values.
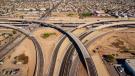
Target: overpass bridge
(81, 50)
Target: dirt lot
(115, 44)
(27, 48)
(120, 43)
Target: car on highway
(119, 68)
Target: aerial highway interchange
(67, 38)
(72, 41)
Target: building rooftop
(131, 63)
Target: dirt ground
(27, 48)
(106, 46)
(111, 44)
(47, 44)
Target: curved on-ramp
(81, 50)
(38, 71)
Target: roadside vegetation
(109, 58)
(46, 35)
(70, 14)
(86, 14)
(14, 31)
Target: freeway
(10, 23)
(75, 63)
(65, 67)
(91, 23)
(115, 24)
(10, 46)
(55, 54)
(66, 64)
(48, 12)
(81, 50)
(98, 35)
(92, 38)
(4, 51)
(60, 55)
(71, 54)
(102, 22)
(105, 26)
(38, 71)
(109, 25)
